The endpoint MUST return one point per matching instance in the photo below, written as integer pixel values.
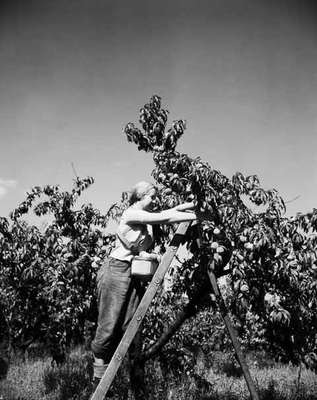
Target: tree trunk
(137, 369)
(189, 311)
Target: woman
(118, 293)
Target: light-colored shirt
(139, 237)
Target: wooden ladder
(178, 238)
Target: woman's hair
(139, 191)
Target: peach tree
(47, 287)
(271, 258)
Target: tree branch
(189, 311)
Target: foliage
(47, 286)
(272, 258)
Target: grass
(36, 379)
(279, 381)
(24, 380)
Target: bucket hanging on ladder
(143, 267)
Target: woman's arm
(164, 217)
(184, 207)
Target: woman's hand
(151, 256)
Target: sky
(242, 73)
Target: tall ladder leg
(133, 327)
(232, 334)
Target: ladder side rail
(232, 333)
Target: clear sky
(243, 73)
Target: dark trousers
(119, 295)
